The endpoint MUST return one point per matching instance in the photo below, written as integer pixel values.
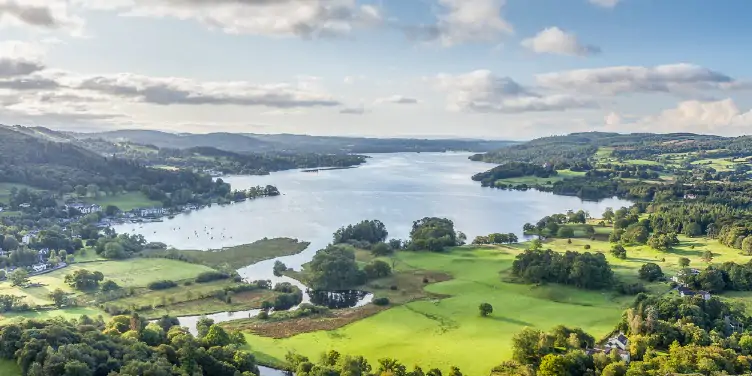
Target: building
(24, 206)
(687, 292)
(679, 277)
(618, 343)
(152, 212)
(690, 196)
(84, 208)
(26, 239)
(39, 267)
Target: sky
(496, 69)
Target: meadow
(9, 368)
(124, 201)
(446, 329)
(534, 180)
(242, 255)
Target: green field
(5, 189)
(125, 202)
(444, 332)
(440, 333)
(9, 368)
(137, 272)
(534, 180)
(67, 313)
(718, 164)
(245, 254)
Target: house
(26, 239)
(679, 277)
(733, 324)
(24, 206)
(690, 196)
(44, 254)
(687, 292)
(39, 267)
(152, 212)
(618, 342)
(84, 208)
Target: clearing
(9, 368)
(534, 180)
(125, 201)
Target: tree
(19, 277)
(535, 244)
(619, 251)
(92, 190)
(707, 256)
(279, 268)
(485, 309)
(692, 229)
(552, 365)
(747, 245)
(83, 279)
(635, 234)
(335, 268)
(525, 346)
(10, 243)
(608, 214)
(565, 232)
(433, 234)
(114, 250)
(80, 190)
(683, 262)
(111, 210)
(381, 249)
(109, 285)
(377, 269)
(650, 272)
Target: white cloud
(612, 119)
(19, 59)
(553, 40)
(462, 21)
(684, 79)
(397, 99)
(353, 110)
(483, 91)
(304, 18)
(717, 117)
(40, 14)
(605, 3)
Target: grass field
(137, 272)
(125, 202)
(5, 189)
(9, 368)
(245, 254)
(719, 164)
(534, 180)
(67, 313)
(440, 333)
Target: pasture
(444, 332)
(125, 201)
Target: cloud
(19, 59)
(41, 14)
(397, 99)
(462, 21)
(353, 110)
(612, 119)
(483, 91)
(676, 79)
(182, 91)
(605, 3)
(719, 117)
(553, 40)
(303, 18)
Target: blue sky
(512, 69)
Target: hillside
(258, 143)
(29, 157)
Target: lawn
(449, 331)
(5, 189)
(67, 313)
(534, 180)
(641, 162)
(137, 272)
(9, 368)
(243, 255)
(719, 164)
(125, 202)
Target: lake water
(396, 189)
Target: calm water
(394, 188)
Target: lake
(396, 189)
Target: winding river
(394, 188)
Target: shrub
(485, 309)
(187, 283)
(263, 315)
(587, 246)
(211, 276)
(383, 301)
(161, 285)
(393, 287)
(425, 279)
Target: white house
(687, 292)
(679, 277)
(84, 208)
(39, 267)
(24, 206)
(26, 239)
(618, 343)
(153, 212)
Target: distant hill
(259, 143)
(578, 146)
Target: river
(394, 188)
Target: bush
(587, 246)
(381, 301)
(161, 285)
(211, 276)
(393, 287)
(187, 283)
(263, 315)
(425, 279)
